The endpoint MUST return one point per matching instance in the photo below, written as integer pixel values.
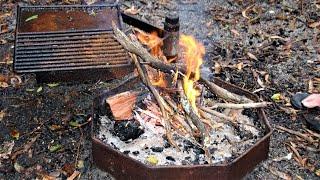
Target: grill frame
(81, 58)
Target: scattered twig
(25, 148)
(240, 106)
(303, 136)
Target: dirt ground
(270, 48)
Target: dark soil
(278, 34)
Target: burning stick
(191, 113)
(157, 96)
(135, 47)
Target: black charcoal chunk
(126, 130)
(157, 149)
(170, 158)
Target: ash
(225, 142)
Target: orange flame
(193, 53)
(154, 43)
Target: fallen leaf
(279, 174)
(287, 157)
(80, 164)
(15, 134)
(18, 167)
(235, 32)
(244, 12)
(31, 18)
(53, 85)
(317, 172)
(39, 89)
(132, 10)
(55, 127)
(55, 148)
(152, 159)
(29, 90)
(74, 175)
(4, 85)
(74, 124)
(239, 66)
(310, 86)
(6, 149)
(276, 97)
(68, 169)
(2, 114)
(252, 56)
(314, 24)
(217, 68)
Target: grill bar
(75, 48)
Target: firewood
(135, 47)
(145, 79)
(121, 105)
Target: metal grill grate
(73, 38)
(38, 52)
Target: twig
(303, 136)
(146, 81)
(240, 106)
(25, 148)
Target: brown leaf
(235, 32)
(217, 68)
(15, 134)
(74, 175)
(280, 174)
(4, 85)
(132, 10)
(239, 66)
(251, 56)
(314, 24)
(68, 169)
(2, 114)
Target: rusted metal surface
(65, 43)
(123, 167)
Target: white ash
(223, 143)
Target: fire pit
(122, 166)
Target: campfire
(173, 115)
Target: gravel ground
(278, 51)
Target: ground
(270, 48)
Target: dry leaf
(15, 134)
(314, 25)
(74, 175)
(2, 114)
(217, 68)
(244, 12)
(239, 66)
(132, 10)
(4, 85)
(6, 149)
(280, 174)
(310, 86)
(251, 56)
(235, 32)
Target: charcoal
(126, 130)
(126, 152)
(170, 158)
(157, 149)
(135, 153)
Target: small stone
(157, 149)
(170, 158)
(135, 153)
(297, 99)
